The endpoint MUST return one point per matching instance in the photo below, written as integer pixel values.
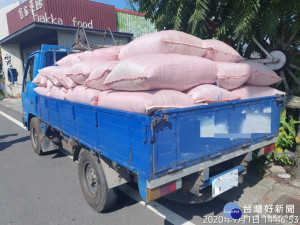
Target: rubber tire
(104, 198)
(35, 126)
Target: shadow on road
(56, 154)
(8, 135)
(123, 201)
(5, 145)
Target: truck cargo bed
(167, 141)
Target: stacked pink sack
(78, 77)
(163, 70)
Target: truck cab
(47, 56)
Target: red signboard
(75, 13)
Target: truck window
(49, 57)
(60, 55)
(28, 72)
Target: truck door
(28, 94)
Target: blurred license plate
(225, 182)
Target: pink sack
(49, 76)
(233, 75)
(42, 91)
(80, 71)
(58, 76)
(210, 93)
(83, 95)
(200, 103)
(45, 71)
(247, 91)
(144, 102)
(161, 71)
(58, 92)
(68, 60)
(78, 78)
(53, 80)
(220, 51)
(40, 80)
(98, 75)
(107, 54)
(163, 42)
(263, 75)
(49, 84)
(85, 55)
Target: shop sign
(34, 5)
(46, 18)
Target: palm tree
(131, 6)
(275, 24)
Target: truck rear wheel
(93, 183)
(36, 135)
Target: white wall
(14, 51)
(3, 20)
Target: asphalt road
(40, 190)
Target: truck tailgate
(191, 136)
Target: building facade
(37, 22)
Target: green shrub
(286, 140)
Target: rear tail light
(269, 148)
(165, 189)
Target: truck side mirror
(12, 75)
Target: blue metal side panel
(165, 145)
(53, 113)
(114, 135)
(190, 136)
(87, 125)
(67, 118)
(141, 147)
(42, 109)
(123, 138)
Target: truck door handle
(31, 102)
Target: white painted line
(155, 207)
(11, 105)
(13, 120)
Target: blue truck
(194, 153)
